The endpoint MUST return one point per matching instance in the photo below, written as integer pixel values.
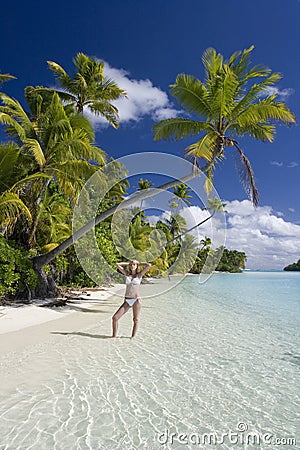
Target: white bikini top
(135, 280)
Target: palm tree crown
(229, 104)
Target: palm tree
(142, 186)
(88, 88)
(203, 98)
(12, 206)
(229, 104)
(53, 143)
(214, 206)
(182, 192)
(206, 242)
(176, 224)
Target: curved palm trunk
(187, 231)
(46, 285)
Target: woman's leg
(122, 310)
(136, 314)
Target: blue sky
(145, 44)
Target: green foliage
(88, 87)
(226, 105)
(231, 261)
(16, 272)
(295, 267)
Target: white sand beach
(30, 334)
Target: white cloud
(293, 164)
(290, 165)
(282, 94)
(291, 209)
(276, 163)
(143, 99)
(269, 241)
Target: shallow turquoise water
(216, 358)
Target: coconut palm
(142, 186)
(11, 184)
(245, 114)
(206, 242)
(53, 143)
(88, 88)
(182, 194)
(228, 104)
(213, 206)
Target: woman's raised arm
(145, 269)
(121, 268)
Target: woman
(132, 299)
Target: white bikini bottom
(131, 301)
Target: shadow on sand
(95, 336)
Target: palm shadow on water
(95, 336)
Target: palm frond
(9, 121)
(109, 90)
(246, 176)
(33, 147)
(263, 132)
(29, 178)
(191, 94)
(258, 71)
(264, 111)
(14, 109)
(78, 121)
(221, 95)
(9, 154)
(253, 93)
(11, 207)
(241, 64)
(62, 76)
(178, 128)
(212, 62)
(6, 77)
(204, 148)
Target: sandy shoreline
(36, 343)
(19, 316)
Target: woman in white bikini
(132, 299)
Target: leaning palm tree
(199, 97)
(227, 105)
(88, 87)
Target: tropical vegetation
(294, 267)
(229, 104)
(50, 152)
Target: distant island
(295, 267)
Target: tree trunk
(46, 286)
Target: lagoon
(217, 361)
